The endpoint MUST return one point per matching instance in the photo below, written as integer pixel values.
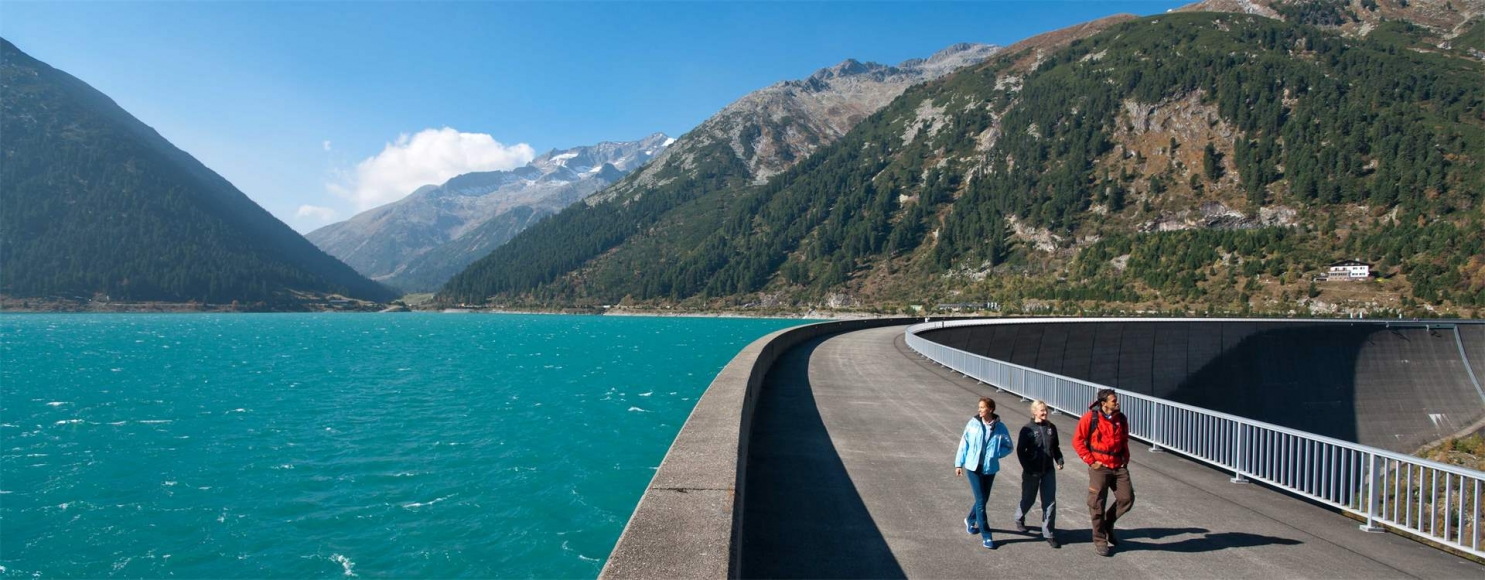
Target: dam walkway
(850, 474)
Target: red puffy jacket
(1109, 443)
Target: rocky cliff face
(772, 128)
(1441, 20)
(384, 243)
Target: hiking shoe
(1021, 526)
(1052, 541)
(969, 526)
(989, 544)
(1102, 549)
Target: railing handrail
(1456, 470)
(1385, 322)
(1376, 484)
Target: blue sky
(303, 104)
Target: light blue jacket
(980, 451)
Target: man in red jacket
(1102, 440)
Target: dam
(826, 451)
(1393, 385)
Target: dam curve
(832, 457)
(1396, 385)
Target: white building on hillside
(1349, 270)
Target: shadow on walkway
(1210, 542)
(803, 517)
(1136, 539)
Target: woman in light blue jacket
(986, 440)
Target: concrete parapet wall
(688, 521)
(1396, 385)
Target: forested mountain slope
(1187, 160)
(96, 202)
(757, 136)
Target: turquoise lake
(338, 445)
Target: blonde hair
(1038, 403)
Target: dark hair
(1104, 394)
(988, 401)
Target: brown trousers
(1100, 481)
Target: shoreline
(10, 305)
(56, 306)
(178, 308)
(810, 315)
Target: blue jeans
(979, 485)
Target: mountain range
(98, 204)
(1216, 157)
(758, 136)
(419, 241)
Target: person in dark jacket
(1040, 452)
(1102, 441)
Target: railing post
(1373, 493)
(1154, 411)
(1237, 457)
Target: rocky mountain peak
(772, 128)
(558, 165)
(954, 50)
(624, 155)
(403, 243)
(955, 57)
(848, 67)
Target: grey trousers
(1046, 485)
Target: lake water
(338, 445)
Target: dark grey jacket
(1038, 448)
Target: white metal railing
(1428, 499)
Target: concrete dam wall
(1395, 385)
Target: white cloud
(326, 144)
(319, 213)
(431, 156)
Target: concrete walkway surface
(850, 475)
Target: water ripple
(311, 445)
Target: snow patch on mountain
(381, 242)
